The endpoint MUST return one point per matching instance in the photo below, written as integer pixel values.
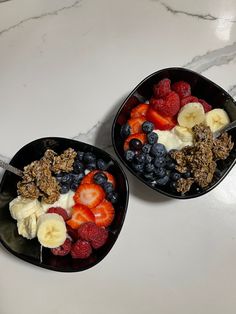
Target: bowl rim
(182, 197)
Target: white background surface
(65, 67)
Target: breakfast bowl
(164, 103)
(17, 237)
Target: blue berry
(108, 187)
(147, 127)
(137, 167)
(125, 130)
(159, 162)
(158, 150)
(91, 166)
(186, 175)
(66, 178)
(89, 157)
(139, 158)
(146, 148)
(152, 138)
(76, 178)
(80, 156)
(78, 166)
(101, 165)
(129, 155)
(74, 186)
(149, 176)
(59, 177)
(149, 168)
(148, 159)
(173, 185)
(135, 144)
(170, 164)
(160, 172)
(64, 188)
(100, 178)
(162, 181)
(112, 197)
(175, 176)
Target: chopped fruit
(170, 106)
(91, 232)
(104, 213)
(182, 88)
(140, 136)
(60, 211)
(100, 239)
(160, 122)
(136, 124)
(156, 103)
(162, 88)
(147, 127)
(62, 250)
(80, 215)
(186, 100)
(135, 144)
(89, 177)
(207, 107)
(89, 195)
(139, 111)
(73, 233)
(81, 249)
(125, 130)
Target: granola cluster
(200, 159)
(38, 180)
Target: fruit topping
(63, 249)
(97, 236)
(162, 88)
(139, 111)
(80, 214)
(160, 122)
(186, 100)
(104, 213)
(136, 124)
(138, 136)
(182, 88)
(89, 195)
(191, 114)
(60, 211)
(81, 249)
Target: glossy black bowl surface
(29, 250)
(201, 87)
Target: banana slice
(185, 134)
(51, 230)
(191, 114)
(21, 208)
(27, 227)
(216, 119)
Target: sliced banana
(185, 134)
(27, 227)
(21, 208)
(51, 230)
(191, 114)
(216, 119)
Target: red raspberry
(89, 231)
(73, 233)
(81, 249)
(182, 88)
(156, 103)
(170, 106)
(100, 239)
(205, 105)
(62, 250)
(184, 101)
(60, 211)
(162, 88)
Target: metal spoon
(10, 168)
(225, 129)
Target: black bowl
(29, 250)
(201, 87)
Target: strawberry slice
(89, 195)
(80, 215)
(139, 111)
(160, 122)
(140, 136)
(104, 213)
(89, 177)
(136, 124)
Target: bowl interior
(29, 250)
(202, 88)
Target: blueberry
(146, 148)
(64, 188)
(89, 157)
(66, 178)
(74, 186)
(135, 144)
(147, 127)
(129, 155)
(159, 162)
(101, 164)
(170, 164)
(76, 178)
(80, 155)
(100, 178)
(173, 185)
(149, 168)
(148, 159)
(59, 177)
(108, 187)
(175, 176)
(149, 176)
(162, 181)
(186, 175)
(112, 197)
(139, 158)
(125, 130)
(158, 150)
(78, 166)
(91, 166)
(152, 138)
(160, 172)
(137, 167)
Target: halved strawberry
(80, 215)
(139, 111)
(160, 122)
(140, 136)
(89, 194)
(104, 213)
(89, 177)
(136, 124)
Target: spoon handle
(225, 129)
(10, 168)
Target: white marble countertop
(65, 67)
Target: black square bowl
(30, 250)
(202, 88)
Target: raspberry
(182, 88)
(89, 231)
(171, 105)
(162, 88)
(73, 233)
(205, 105)
(100, 239)
(81, 249)
(60, 211)
(62, 250)
(155, 103)
(184, 101)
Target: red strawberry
(60, 211)
(160, 122)
(80, 215)
(81, 249)
(136, 124)
(207, 107)
(139, 111)
(140, 136)
(186, 100)
(89, 195)
(162, 88)
(89, 177)
(89, 231)
(62, 250)
(104, 213)
(170, 106)
(182, 88)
